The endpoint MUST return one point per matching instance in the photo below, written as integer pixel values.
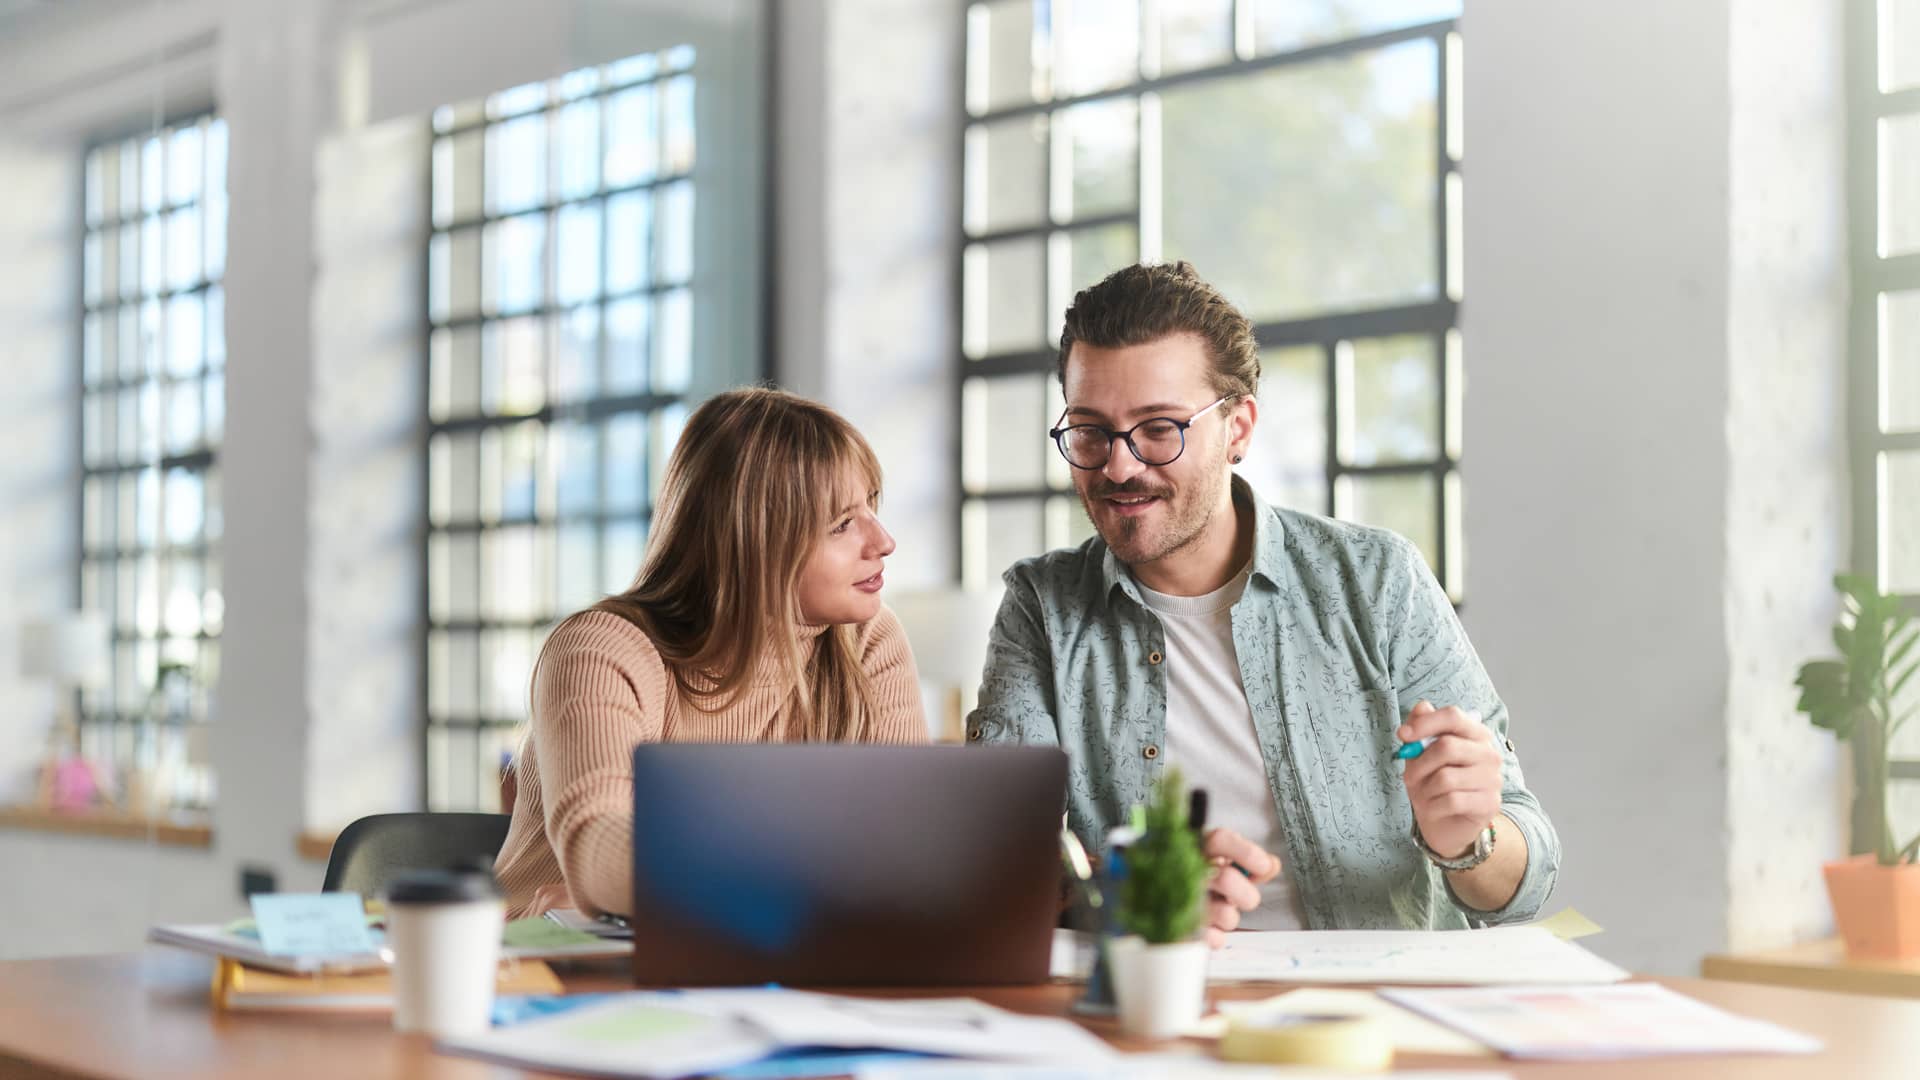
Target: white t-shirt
(1210, 733)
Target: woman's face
(842, 578)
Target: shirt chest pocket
(1351, 762)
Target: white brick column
(1786, 502)
(366, 501)
(275, 91)
(868, 150)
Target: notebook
(236, 941)
(237, 986)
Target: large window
(561, 354)
(1305, 156)
(153, 401)
(1884, 142)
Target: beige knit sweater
(602, 688)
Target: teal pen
(1409, 751)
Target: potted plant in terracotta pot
(1160, 969)
(1875, 895)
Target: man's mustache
(1107, 488)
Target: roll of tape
(1331, 1042)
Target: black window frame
(1436, 318)
(179, 694)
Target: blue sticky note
(312, 924)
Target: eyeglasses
(1158, 440)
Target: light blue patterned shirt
(1342, 628)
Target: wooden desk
(1819, 965)
(146, 1014)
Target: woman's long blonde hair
(750, 491)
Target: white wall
(39, 451)
(1595, 327)
(868, 194)
(1654, 359)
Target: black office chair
(372, 850)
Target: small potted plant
(1160, 968)
(1875, 895)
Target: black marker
(1197, 821)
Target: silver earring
(1237, 459)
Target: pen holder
(1097, 999)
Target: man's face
(1146, 513)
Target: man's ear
(1240, 424)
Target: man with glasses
(1288, 663)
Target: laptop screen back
(835, 864)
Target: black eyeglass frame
(1059, 437)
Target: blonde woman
(756, 617)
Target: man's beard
(1185, 518)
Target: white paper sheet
(1597, 1023)
(655, 1036)
(681, 1033)
(1507, 955)
(955, 1027)
(574, 919)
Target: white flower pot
(1162, 989)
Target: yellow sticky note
(1568, 925)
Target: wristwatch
(1482, 850)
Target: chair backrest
(371, 851)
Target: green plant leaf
(1910, 853)
(1858, 594)
(1900, 681)
(1825, 696)
(1866, 657)
(1162, 898)
(1896, 723)
(1898, 647)
(1854, 697)
(1823, 676)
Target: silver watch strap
(1481, 851)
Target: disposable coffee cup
(444, 929)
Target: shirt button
(1153, 658)
(1150, 752)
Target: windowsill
(316, 844)
(175, 830)
(1818, 965)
